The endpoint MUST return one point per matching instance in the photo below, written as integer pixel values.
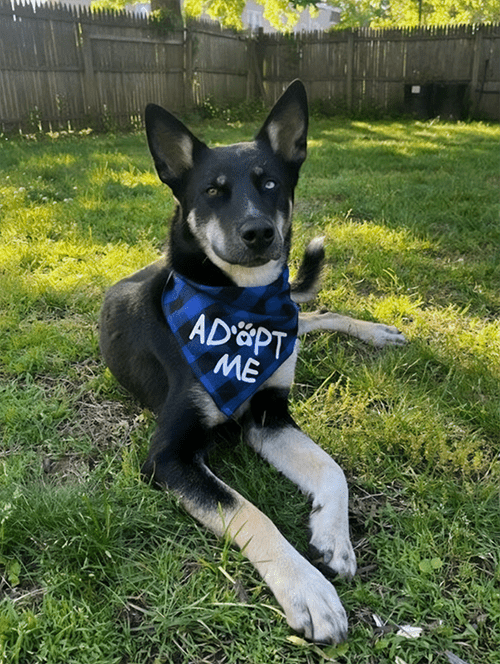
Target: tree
(169, 9)
(284, 14)
(281, 14)
(396, 13)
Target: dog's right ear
(285, 128)
(173, 146)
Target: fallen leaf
(296, 640)
(409, 632)
(453, 659)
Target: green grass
(97, 567)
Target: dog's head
(236, 201)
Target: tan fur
(375, 333)
(322, 479)
(310, 602)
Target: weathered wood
(61, 65)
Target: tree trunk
(171, 9)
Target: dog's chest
(212, 416)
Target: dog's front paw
(330, 544)
(381, 335)
(312, 606)
(336, 556)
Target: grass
(97, 567)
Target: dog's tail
(306, 284)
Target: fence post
(255, 85)
(476, 62)
(349, 68)
(89, 79)
(188, 68)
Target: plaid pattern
(233, 338)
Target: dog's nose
(257, 234)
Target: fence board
(220, 63)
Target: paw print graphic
(244, 333)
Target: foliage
(232, 113)
(97, 567)
(113, 5)
(281, 14)
(397, 13)
(284, 14)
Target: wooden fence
(61, 66)
(450, 70)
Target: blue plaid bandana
(233, 338)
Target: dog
(208, 336)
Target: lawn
(97, 567)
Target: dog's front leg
(176, 461)
(275, 436)
(310, 602)
(378, 334)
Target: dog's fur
(233, 226)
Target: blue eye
(270, 184)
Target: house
(327, 16)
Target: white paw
(330, 543)
(381, 335)
(311, 604)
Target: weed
(245, 111)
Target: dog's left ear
(285, 129)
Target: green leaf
(429, 565)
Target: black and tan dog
(208, 336)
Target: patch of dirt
(22, 597)
(108, 424)
(69, 468)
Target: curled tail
(306, 284)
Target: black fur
(232, 226)
(232, 184)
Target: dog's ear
(173, 146)
(285, 129)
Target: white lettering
(248, 370)
(217, 342)
(226, 367)
(199, 329)
(220, 333)
(279, 335)
(258, 342)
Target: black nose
(257, 234)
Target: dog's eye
(269, 184)
(212, 191)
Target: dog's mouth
(253, 244)
(248, 258)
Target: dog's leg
(310, 602)
(377, 334)
(274, 435)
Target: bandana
(233, 338)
